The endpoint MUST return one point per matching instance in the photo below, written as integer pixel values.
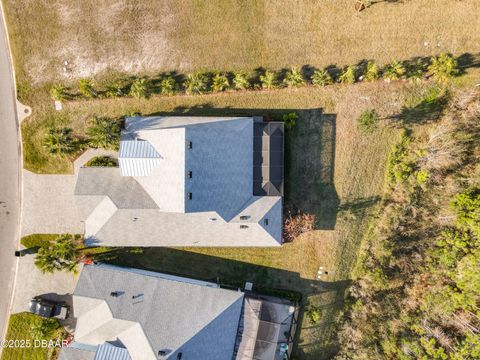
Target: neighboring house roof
(154, 312)
(199, 188)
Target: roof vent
(190, 145)
(115, 294)
(190, 174)
(244, 217)
(190, 196)
(243, 226)
(265, 221)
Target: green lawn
(20, 329)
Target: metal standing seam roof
(110, 352)
(137, 157)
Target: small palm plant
(168, 86)
(59, 92)
(290, 120)
(61, 254)
(294, 78)
(85, 87)
(443, 67)
(372, 72)
(220, 83)
(348, 75)
(268, 80)
(196, 83)
(114, 89)
(321, 78)
(416, 71)
(104, 133)
(240, 81)
(141, 88)
(59, 141)
(394, 71)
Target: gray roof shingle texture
(175, 315)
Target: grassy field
(135, 37)
(20, 328)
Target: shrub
(114, 89)
(422, 176)
(290, 120)
(220, 83)
(372, 72)
(399, 167)
(416, 71)
(314, 314)
(196, 83)
(141, 88)
(296, 225)
(60, 141)
(59, 92)
(294, 78)
(268, 80)
(85, 87)
(467, 208)
(59, 255)
(394, 71)
(443, 67)
(102, 161)
(104, 133)
(321, 78)
(368, 121)
(240, 81)
(167, 86)
(348, 75)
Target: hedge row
(442, 67)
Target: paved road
(9, 179)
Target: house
(131, 314)
(189, 181)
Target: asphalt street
(9, 179)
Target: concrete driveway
(31, 282)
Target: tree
(294, 78)
(240, 81)
(268, 80)
(321, 78)
(443, 67)
(104, 133)
(394, 71)
(85, 87)
(61, 254)
(348, 75)
(141, 88)
(59, 92)
(220, 83)
(372, 72)
(196, 83)
(368, 121)
(168, 86)
(59, 141)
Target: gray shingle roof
(125, 192)
(156, 210)
(174, 314)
